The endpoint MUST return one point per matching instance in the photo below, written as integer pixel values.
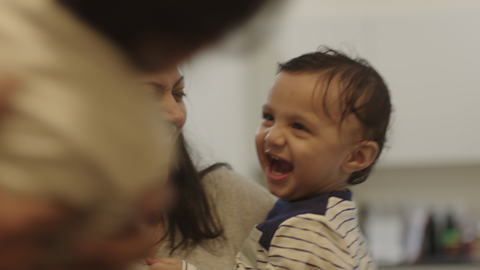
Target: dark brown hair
(192, 215)
(363, 93)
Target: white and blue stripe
(326, 238)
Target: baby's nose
(275, 137)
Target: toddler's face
(300, 148)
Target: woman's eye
(299, 126)
(179, 96)
(268, 117)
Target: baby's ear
(361, 157)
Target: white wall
(215, 104)
(427, 51)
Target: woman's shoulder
(231, 192)
(239, 202)
(226, 181)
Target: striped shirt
(319, 233)
(315, 233)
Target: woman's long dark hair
(192, 215)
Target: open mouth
(278, 168)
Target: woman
(214, 209)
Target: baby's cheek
(305, 155)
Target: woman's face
(167, 88)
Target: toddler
(323, 128)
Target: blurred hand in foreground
(164, 264)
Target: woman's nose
(275, 136)
(172, 112)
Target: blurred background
(422, 203)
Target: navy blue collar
(284, 210)
(345, 194)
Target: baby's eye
(268, 117)
(299, 126)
